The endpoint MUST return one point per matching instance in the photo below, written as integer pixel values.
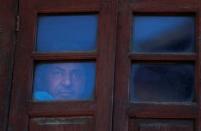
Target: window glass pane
(66, 33)
(62, 120)
(155, 34)
(64, 81)
(61, 124)
(162, 82)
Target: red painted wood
(124, 110)
(7, 40)
(163, 57)
(22, 109)
(198, 69)
(165, 6)
(163, 110)
(111, 109)
(61, 109)
(64, 56)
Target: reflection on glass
(162, 82)
(66, 33)
(163, 34)
(64, 81)
(62, 120)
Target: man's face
(66, 81)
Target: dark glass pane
(66, 33)
(155, 34)
(64, 81)
(162, 82)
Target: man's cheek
(78, 87)
(78, 84)
(54, 82)
(53, 86)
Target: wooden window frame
(113, 63)
(7, 40)
(124, 110)
(23, 109)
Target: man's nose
(66, 81)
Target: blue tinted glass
(66, 33)
(64, 81)
(163, 34)
(162, 82)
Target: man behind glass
(64, 81)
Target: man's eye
(57, 73)
(76, 74)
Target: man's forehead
(67, 66)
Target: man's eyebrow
(57, 68)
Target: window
(154, 62)
(64, 43)
(100, 65)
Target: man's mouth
(64, 93)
